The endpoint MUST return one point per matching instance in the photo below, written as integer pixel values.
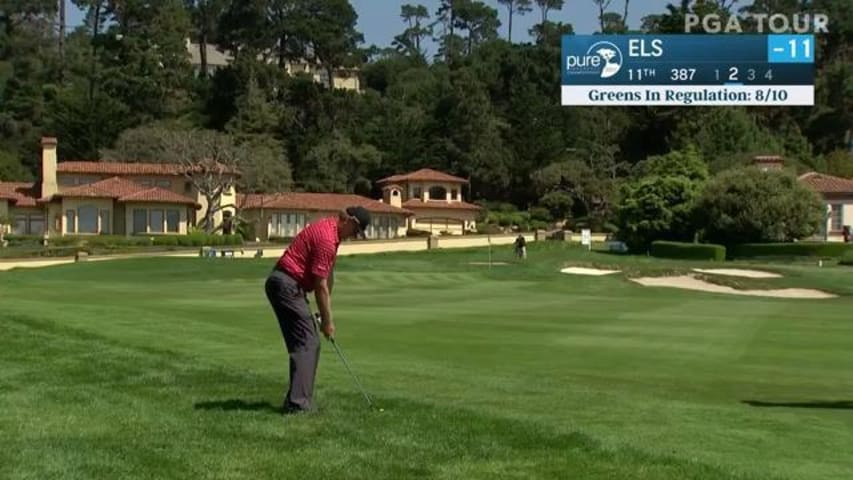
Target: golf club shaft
(346, 364)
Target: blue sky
(379, 20)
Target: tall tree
(546, 6)
(515, 7)
(479, 20)
(411, 39)
(144, 57)
(327, 33)
(205, 16)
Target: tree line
(481, 107)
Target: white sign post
(586, 238)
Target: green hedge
(798, 249)
(30, 246)
(847, 258)
(417, 233)
(688, 251)
(23, 240)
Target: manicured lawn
(173, 368)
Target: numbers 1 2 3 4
(733, 74)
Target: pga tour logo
(602, 58)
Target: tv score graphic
(688, 70)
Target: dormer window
(437, 193)
(454, 194)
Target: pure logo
(602, 58)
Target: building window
(71, 221)
(105, 222)
(437, 193)
(454, 194)
(36, 224)
(87, 219)
(146, 182)
(164, 183)
(155, 221)
(288, 225)
(188, 188)
(383, 227)
(836, 217)
(140, 221)
(173, 221)
(20, 225)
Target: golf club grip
(319, 323)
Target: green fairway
(173, 368)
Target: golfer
(521, 246)
(306, 266)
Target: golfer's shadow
(833, 405)
(238, 405)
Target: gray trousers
(290, 304)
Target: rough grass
(173, 368)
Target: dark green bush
(798, 249)
(280, 239)
(166, 240)
(847, 258)
(412, 232)
(688, 251)
(488, 228)
(23, 240)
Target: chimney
(48, 167)
(392, 196)
(769, 162)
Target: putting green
(173, 368)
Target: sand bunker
(737, 272)
(587, 271)
(691, 283)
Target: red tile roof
(114, 187)
(315, 202)
(124, 168)
(423, 175)
(416, 203)
(124, 190)
(827, 183)
(157, 195)
(22, 194)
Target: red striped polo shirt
(312, 253)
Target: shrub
(488, 228)
(847, 258)
(798, 249)
(748, 205)
(688, 251)
(24, 240)
(234, 239)
(280, 239)
(166, 240)
(656, 208)
(538, 225)
(540, 214)
(185, 241)
(413, 232)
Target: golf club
(346, 364)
